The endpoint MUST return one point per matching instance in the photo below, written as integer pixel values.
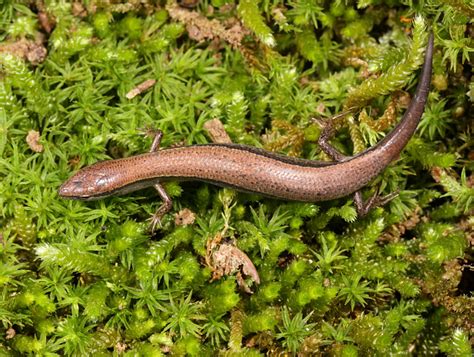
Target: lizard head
(90, 183)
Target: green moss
(249, 12)
(81, 278)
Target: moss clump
(88, 278)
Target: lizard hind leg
(328, 132)
(362, 207)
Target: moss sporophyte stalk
(80, 82)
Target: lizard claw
(155, 222)
(375, 201)
(383, 200)
(155, 219)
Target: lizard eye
(71, 188)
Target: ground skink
(251, 169)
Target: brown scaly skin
(254, 170)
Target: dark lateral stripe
(142, 184)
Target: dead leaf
(32, 139)
(184, 217)
(216, 131)
(140, 88)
